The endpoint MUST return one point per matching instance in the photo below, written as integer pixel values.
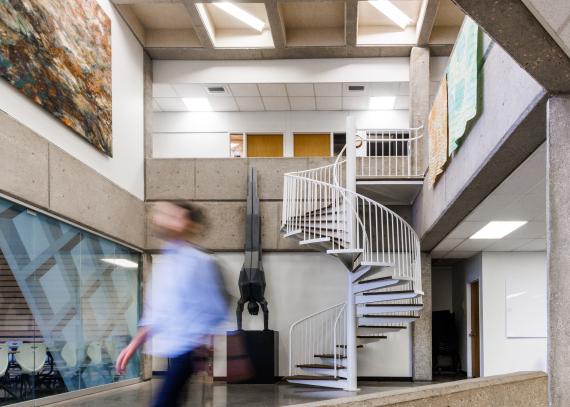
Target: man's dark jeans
(179, 371)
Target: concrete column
(558, 242)
(147, 104)
(419, 96)
(422, 329)
(146, 359)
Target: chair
(31, 357)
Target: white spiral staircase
(380, 250)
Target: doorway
(474, 333)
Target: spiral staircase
(380, 250)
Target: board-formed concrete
(558, 242)
(221, 179)
(422, 329)
(79, 193)
(170, 179)
(23, 163)
(528, 389)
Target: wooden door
(312, 145)
(265, 145)
(474, 331)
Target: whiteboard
(526, 305)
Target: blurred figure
(188, 304)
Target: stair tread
(387, 316)
(331, 356)
(393, 305)
(382, 326)
(319, 366)
(311, 377)
(373, 280)
(372, 336)
(389, 292)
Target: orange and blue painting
(58, 53)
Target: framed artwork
(58, 53)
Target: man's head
(178, 220)
(253, 308)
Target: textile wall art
(437, 127)
(58, 53)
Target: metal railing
(391, 153)
(319, 334)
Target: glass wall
(69, 302)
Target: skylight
(387, 8)
(241, 15)
(497, 229)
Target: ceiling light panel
(241, 15)
(497, 229)
(197, 104)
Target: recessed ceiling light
(128, 264)
(197, 104)
(382, 102)
(241, 15)
(387, 8)
(497, 229)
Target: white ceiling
(279, 96)
(522, 196)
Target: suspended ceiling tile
(355, 103)
(535, 245)
(276, 103)
(244, 89)
(155, 106)
(190, 90)
(475, 245)
(507, 244)
(272, 89)
(223, 103)
(448, 244)
(466, 230)
(250, 104)
(163, 90)
(300, 89)
(328, 89)
(347, 92)
(460, 254)
(302, 103)
(171, 104)
(402, 103)
(384, 88)
(329, 103)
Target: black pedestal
(261, 349)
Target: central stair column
(350, 307)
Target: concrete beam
(198, 25)
(426, 21)
(351, 22)
(276, 24)
(558, 241)
(522, 36)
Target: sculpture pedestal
(254, 351)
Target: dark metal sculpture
(251, 276)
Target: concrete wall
(514, 390)
(125, 168)
(40, 173)
(510, 127)
(292, 281)
(504, 354)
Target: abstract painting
(437, 128)
(58, 53)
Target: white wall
(126, 167)
(299, 284)
(167, 123)
(442, 288)
(196, 145)
(503, 354)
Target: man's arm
(131, 348)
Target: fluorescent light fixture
(128, 264)
(497, 229)
(382, 102)
(387, 8)
(241, 15)
(197, 104)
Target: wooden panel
(475, 346)
(312, 145)
(265, 145)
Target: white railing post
(351, 211)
